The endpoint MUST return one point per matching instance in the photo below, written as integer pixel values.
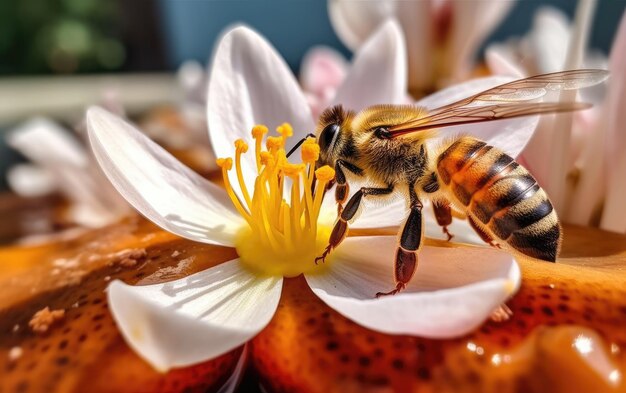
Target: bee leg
(483, 235)
(443, 214)
(343, 188)
(410, 242)
(341, 226)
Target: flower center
(282, 236)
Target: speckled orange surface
(309, 347)
(83, 351)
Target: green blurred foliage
(60, 36)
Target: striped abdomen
(501, 196)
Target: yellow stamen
(274, 143)
(258, 132)
(241, 147)
(226, 164)
(282, 236)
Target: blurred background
(58, 56)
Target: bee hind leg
(340, 230)
(410, 242)
(443, 214)
(483, 235)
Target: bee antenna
(293, 149)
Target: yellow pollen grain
(225, 163)
(310, 151)
(258, 131)
(274, 143)
(325, 173)
(241, 146)
(292, 170)
(285, 130)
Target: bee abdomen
(502, 196)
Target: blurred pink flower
(442, 35)
(322, 72)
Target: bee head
(330, 134)
(371, 125)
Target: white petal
(549, 39)
(510, 135)
(473, 21)
(159, 186)
(461, 90)
(29, 180)
(195, 318)
(251, 84)
(501, 61)
(462, 231)
(382, 213)
(614, 216)
(355, 21)
(379, 71)
(453, 291)
(72, 170)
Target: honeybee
(387, 145)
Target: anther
(285, 130)
(310, 151)
(225, 163)
(258, 131)
(325, 173)
(241, 146)
(266, 159)
(292, 170)
(274, 142)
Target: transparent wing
(507, 101)
(476, 114)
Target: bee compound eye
(382, 133)
(328, 135)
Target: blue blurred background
(45, 44)
(85, 36)
(191, 26)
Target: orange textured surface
(310, 348)
(83, 348)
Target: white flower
(596, 146)
(211, 312)
(60, 163)
(442, 36)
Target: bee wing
(510, 99)
(534, 87)
(476, 114)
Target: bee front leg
(410, 243)
(343, 188)
(340, 230)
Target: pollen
(281, 236)
(310, 151)
(325, 174)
